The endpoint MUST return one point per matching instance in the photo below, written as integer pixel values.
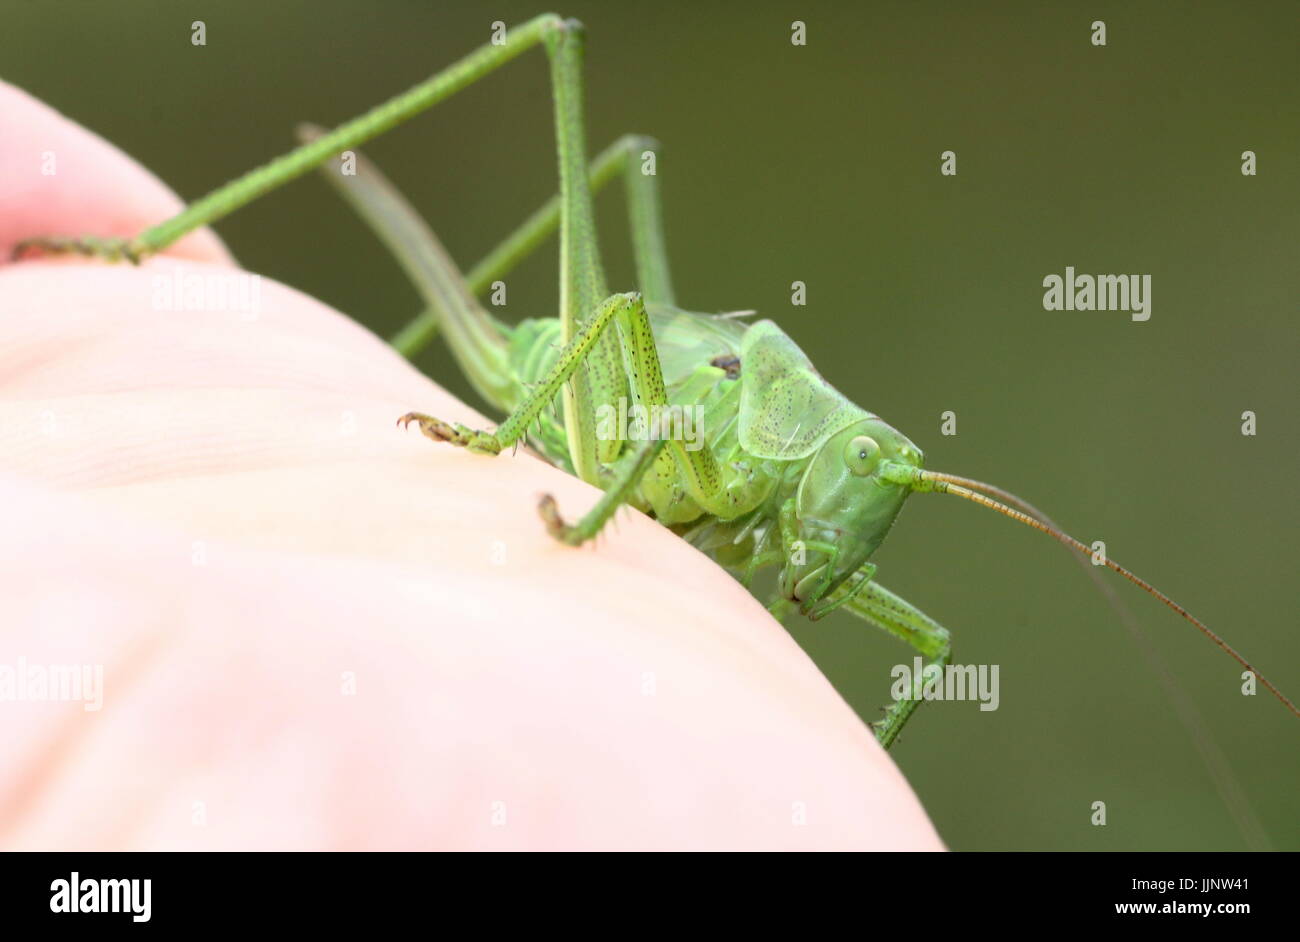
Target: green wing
(786, 409)
(686, 341)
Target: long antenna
(1216, 763)
(944, 484)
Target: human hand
(319, 632)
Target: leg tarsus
(109, 249)
(483, 443)
(549, 511)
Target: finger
(57, 178)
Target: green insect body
(796, 471)
(781, 471)
(786, 446)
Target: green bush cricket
(794, 475)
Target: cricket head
(845, 504)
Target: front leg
(517, 423)
(874, 603)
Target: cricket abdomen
(708, 402)
(701, 368)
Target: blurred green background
(821, 164)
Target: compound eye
(862, 455)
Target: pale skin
(222, 514)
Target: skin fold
(317, 632)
